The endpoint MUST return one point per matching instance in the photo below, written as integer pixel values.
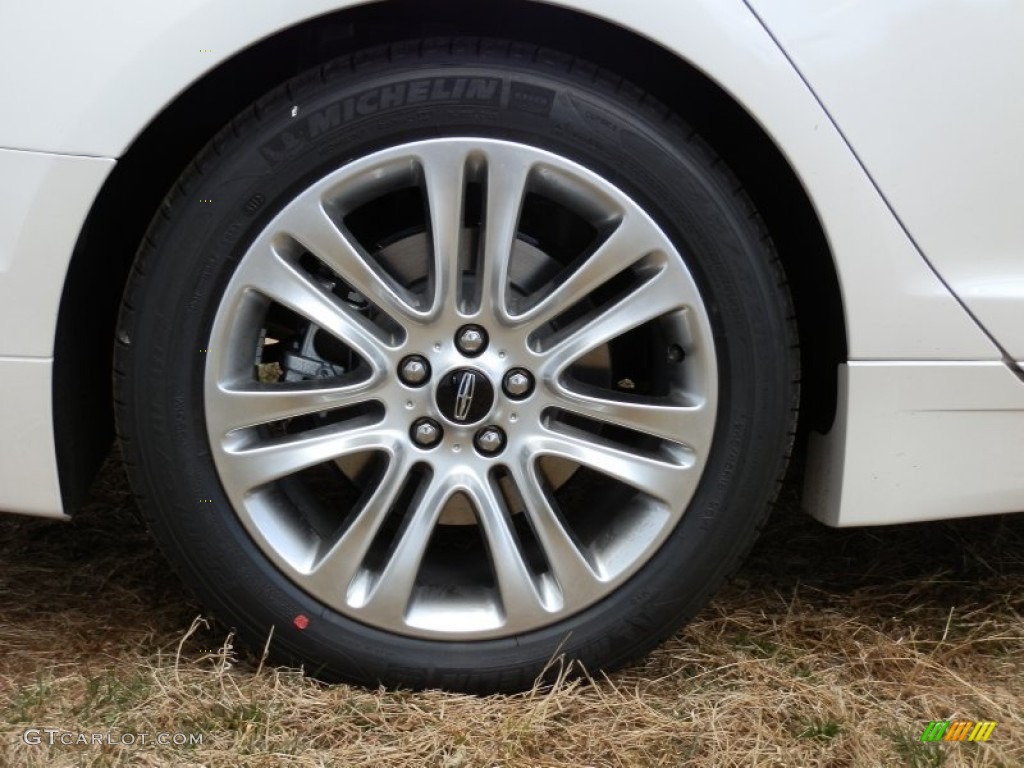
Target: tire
(453, 357)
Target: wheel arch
(102, 258)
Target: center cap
(465, 395)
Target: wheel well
(133, 192)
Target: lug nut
(414, 370)
(426, 433)
(489, 441)
(518, 383)
(471, 340)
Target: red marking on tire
(301, 621)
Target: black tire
(389, 96)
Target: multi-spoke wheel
(471, 370)
(470, 362)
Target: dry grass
(832, 648)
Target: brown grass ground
(832, 648)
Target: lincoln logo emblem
(464, 396)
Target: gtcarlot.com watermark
(54, 736)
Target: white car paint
(44, 199)
(932, 106)
(73, 102)
(919, 441)
(28, 460)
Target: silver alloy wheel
(548, 552)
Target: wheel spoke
(576, 578)
(234, 407)
(246, 468)
(654, 298)
(389, 597)
(283, 283)
(313, 228)
(520, 597)
(507, 176)
(336, 569)
(687, 424)
(444, 171)
(628, 243)
(664, 479)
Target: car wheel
(451, 358)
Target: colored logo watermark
(958, 730)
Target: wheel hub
(465, 396)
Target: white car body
(902, 121)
